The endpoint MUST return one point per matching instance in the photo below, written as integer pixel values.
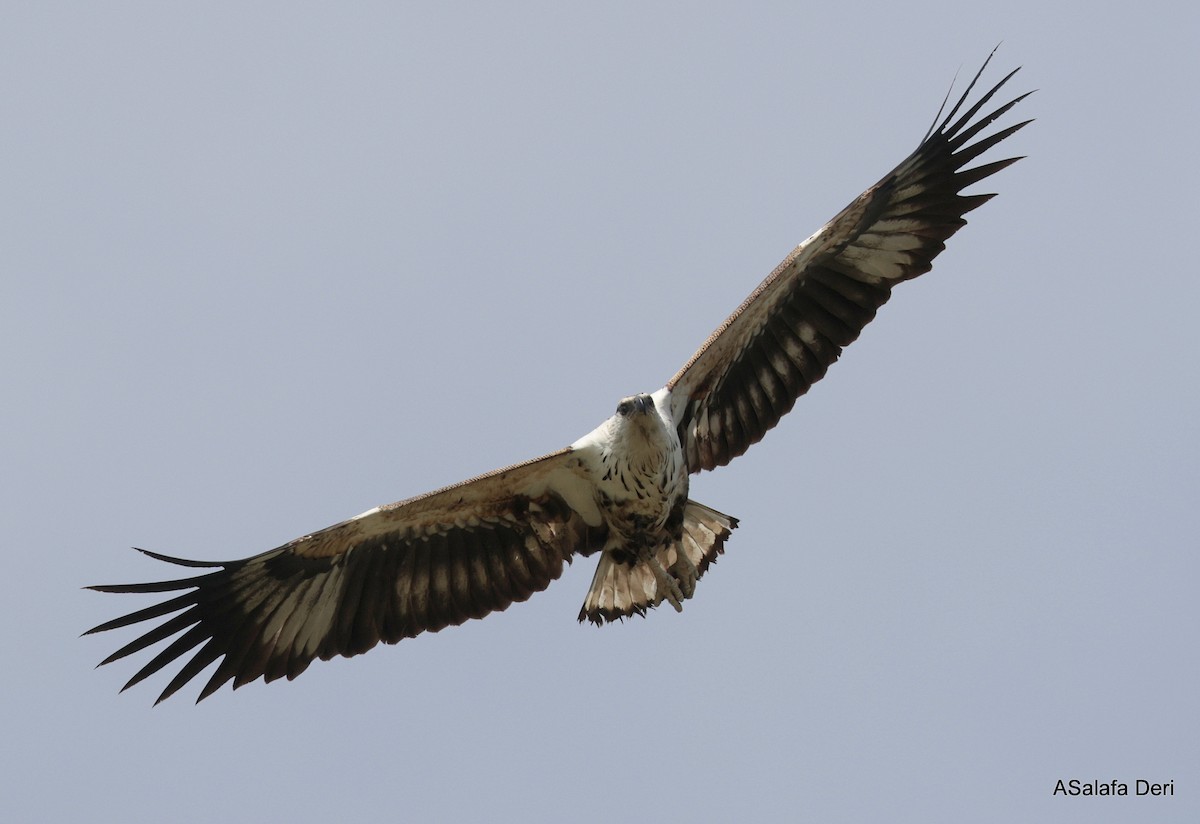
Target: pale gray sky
(268, 265)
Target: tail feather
(620, 589)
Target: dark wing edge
(390, 574)
(784, 337)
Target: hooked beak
(638, 404)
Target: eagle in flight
(619, 492)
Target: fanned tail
(621, 589)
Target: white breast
(636, 465)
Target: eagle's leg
(685, 572)
(668, 587)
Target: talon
(686, 573)
(668, 587)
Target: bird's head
(635, 405)
(638, 420)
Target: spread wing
(780, 341)
(415, 566)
